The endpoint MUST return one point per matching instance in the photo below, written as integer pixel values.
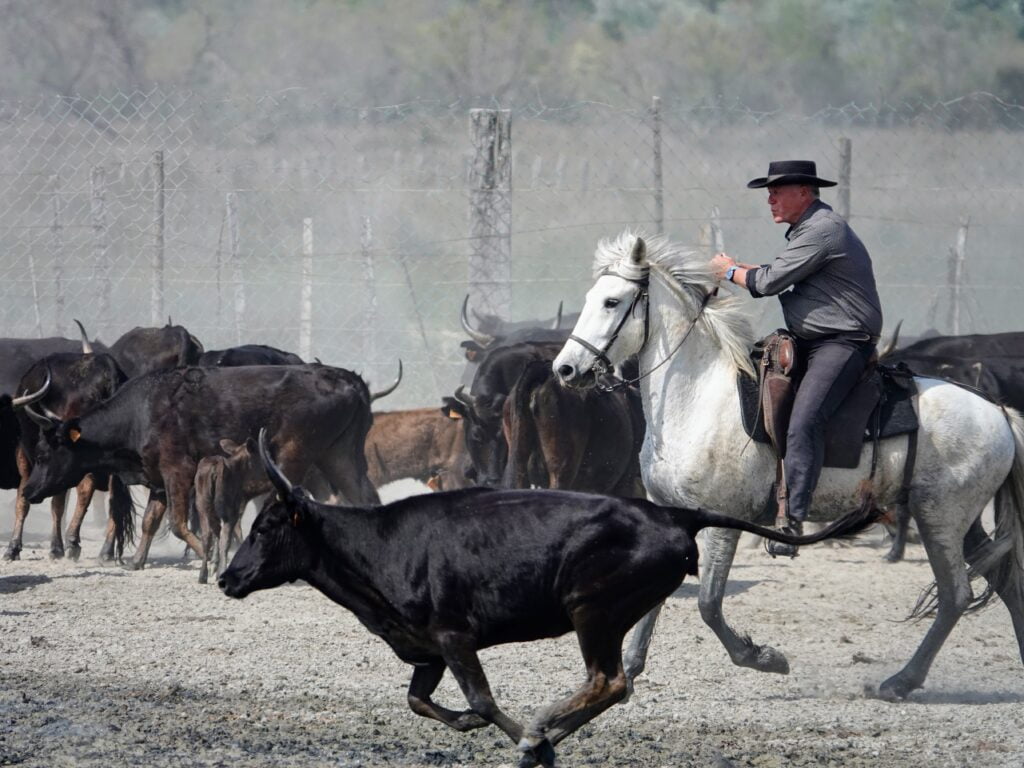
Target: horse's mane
(689, 274)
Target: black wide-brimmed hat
(790, 172)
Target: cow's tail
(847, 526)
(999, 559)
(122, 512)
(519, 427)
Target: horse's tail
(999, 558)
(846, 526)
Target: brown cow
(422, 444)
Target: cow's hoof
(894, 689)
(469, 721)
(131, 565)
(541, 753)
(12, 554)
(770, 660)
(74, 552)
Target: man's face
(788, 202)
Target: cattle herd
(540, 528)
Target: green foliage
(796, 54)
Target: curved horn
(464, 397)
(558, 318)
(481, 338)
(392, 388)
(86, 345)
(280, 482)
(26, 400)
(44, 422)
(890, 347)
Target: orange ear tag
(74, 434)
(454, 415)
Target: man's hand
(719, 263)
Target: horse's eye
(611, 303)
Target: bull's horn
(889, 348)
(558, 318)
(44, 422)
(464, 397)
(481, 338)
(26, 400)
(392, 388)
(280, 482)
(86, 345)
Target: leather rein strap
(605, 365)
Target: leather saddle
(880, 406)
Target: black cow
(481, 407)
(10, 434)
(18, 355)
(975, 345)
(580, 440)
(157, 427)
(440, 576)
(249, 354)
(144, 350)
(77, 382)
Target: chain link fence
(353, 234)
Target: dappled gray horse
(658, 302)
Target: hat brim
(789, 178)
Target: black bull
(157, 427)
(441, 576)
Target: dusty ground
(103, 667)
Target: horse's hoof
(894, 689)
(74, 552)
(56, 554)
(132, 565)
(770, 660)
(12, 554)
(469, 721)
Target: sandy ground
(101, 667)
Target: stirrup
(780, 548)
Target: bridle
(603, 365)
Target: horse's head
(613, 323)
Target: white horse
(658, 301)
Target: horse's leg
(719, 550)
(639, 644)
(899, 539)
(83, 496)
(944, 545)
(1003, 576)
(58, 504)
(425, 679)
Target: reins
(613, 382)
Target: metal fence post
(958, 255)
(845, 167)
(236, 265)
(659, 188)
(366, 249)
(100, 247)
(490, 211)
(56, 248)
(157, 295)
(306, 300)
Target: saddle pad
(854, 417)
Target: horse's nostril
(565, 371)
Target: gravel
(100, 666)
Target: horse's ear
(639, 253)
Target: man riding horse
(833, 311)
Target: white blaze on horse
(658, 301)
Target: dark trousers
(831, 369)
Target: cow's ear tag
(74, 433)
(453, 414)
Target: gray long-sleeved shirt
(829, 270)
